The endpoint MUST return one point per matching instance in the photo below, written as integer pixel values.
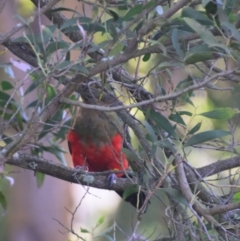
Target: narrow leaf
(133, 11)
(185, 113)
(220, 113)
(100, 221)
(176, 45)
(113, 14)
(162, 122)
(195, 128)
(83, 230)
(206, 136)
(165, 143)
(199, 57)
(177, 118)
(204, 33)
(6, 85)
(4, 96)
(40, 179)
(3, 201)
(150, 131)
(197, 15)
(32, 104)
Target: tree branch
(219, 166)
(38, 164)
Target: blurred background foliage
(178, 64)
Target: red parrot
(95, 143)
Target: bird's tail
(137, 199)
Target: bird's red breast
(97, 158)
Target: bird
(95, 143)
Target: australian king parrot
(95, 143)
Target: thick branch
(38, 164)
(187, 193)
(219, 166)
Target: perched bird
(95, 143)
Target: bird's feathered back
(96, 126)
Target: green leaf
(166, 143)
(6, 85)
(229, 4)
(206, 136)
(185, 113)
(82, 69)
(162, 122)
(195, 128)
(6, 139)
(18, 118)
(199, 48)
(232, 28)
(198, 16)
(4, 97)
(153, 151)
(60, 9)
(100, 221)
(3, 201)
(176, 45)
(165, 65)
(54, 46)
(83, 230)
(40, 179)
(149, 4)
(146, 57)
(177, 118)
(199, 57)
(71, 22)
(32, 104)
(186, 97)
(56, 150)
(210, 6)
(116, 50)
(60, 135)
(33, 86)
(95, 12)
(131, 189)
(203, 32)
(94, 27)
(131, 156)
(221, 113)
(63, 65)
(133, 11)
(183, 84)
(51, 93)
(113, 31)
(150, 131)
(113, 14)
(236, 197)
(48, 33)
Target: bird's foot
(111, 179)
